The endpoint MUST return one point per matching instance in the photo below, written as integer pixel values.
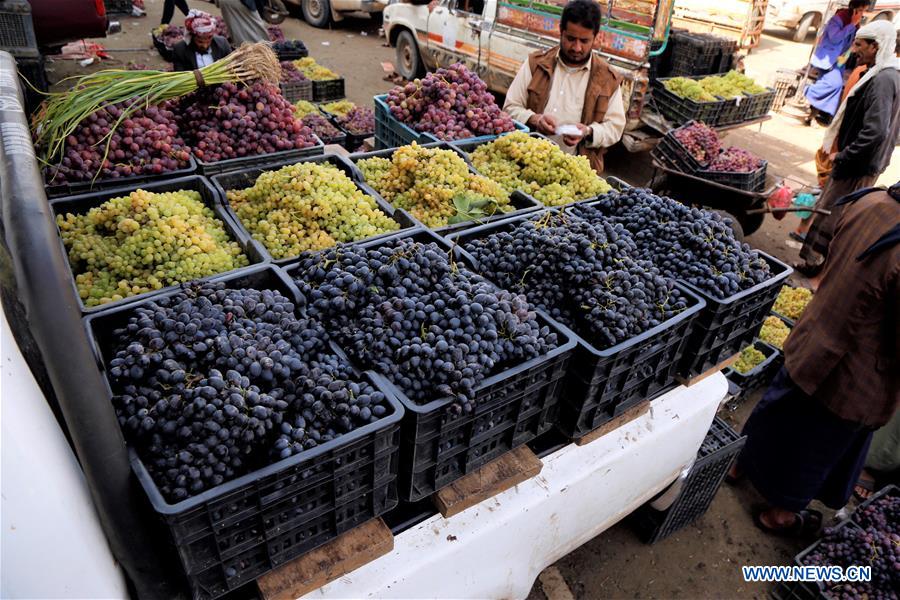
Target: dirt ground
(703, 560)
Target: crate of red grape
(690, 147)
(437, 187)
(357, 122)
(307, 205)
(536, 166)
(697, 247)
(880, 511)
(737, 168)
(147, 146)
(451, 104)
(230, 127)
(478, 371)
(294, 84)
(630, 324)
(164, 39)
(104, 236)
(389, 132)
(253, 438)
(320, 125)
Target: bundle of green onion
(64, 112)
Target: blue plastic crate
(389, 132)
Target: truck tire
(803, 26)
(409, 61)
(317, 12)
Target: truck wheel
(409, 61)
(803, 27)
(317, 12)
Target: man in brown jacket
(808, 436)
(569, 85)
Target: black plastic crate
(683, 110)
(753, 181)
(760, 375)
(251, 162)
(513, 407)
(330, 89)
(82, 203)
(236, 532)
(33, 79)
(294, 91)
(674, 149)
(117, 7)
(735, 110)
(601, 384)
(713, 460)
(726, 325)
(760, 104)
(352, 141)
(245, 178)
(290, 53)
(57, 190)
(16, 29)
(521, 203)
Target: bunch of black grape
(582, 273)
(212, 383)
(848, 546)
(695, 245)
(700, 140)
(229, 121)
(284, 46)
(735, 160)
(882, 514)
(432, 327)
(145, 143)
(451, 103)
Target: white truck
(494, 37)
(800, 15)
(319, 13)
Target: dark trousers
(797, 450)
(169, 10)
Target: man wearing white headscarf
(202, 47)
(864, 132)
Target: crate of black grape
(246, 471)
(290, 49)
(477, 377)
(605, 376)
(294, 91)
(342, 206)
(389, 132)
(328, 89)
(104, 271)
(519, 203)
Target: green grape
(743, 83)
(791, 302)
(688, 88)
(730, 85)
(538, 167)
(307, 206)
(303, 108)
(774, 332)
(749, 359)
(339, 108)
(424, 181)
(314, 71)
(144, 242)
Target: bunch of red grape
(882, 514)
(360, 120)
(230, 121)
(221, 28)
(171, 35)
(146, 143)
(698, 139)
(321, 126)
(290, 73)
(847, 546)
(275, 33)
(452, 103)
(735, 160)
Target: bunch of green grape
(719, 86)
(774, 332)
(791, 302)
(339, 108)
(689, 88)
(537, 166)
(307, 206)
(313, 70)
(749, 359)
(303, 108)
(744, 83)
(144, 242)
(424, 181)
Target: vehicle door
(455, 32)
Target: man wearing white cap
(861, 137)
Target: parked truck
(320, 13)
(800, 15)
(494, 37)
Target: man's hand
(832, 156)
(545, 124)
(574, 140)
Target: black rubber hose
(42, 279)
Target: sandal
(807, 524)
(806, 269)
(862, 486)
(800, 237)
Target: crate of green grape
(755, 366)
(682, 99)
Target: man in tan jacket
(569, 85)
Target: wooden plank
(344, 554)
(498, 475)
(626, 417)
(697, 378)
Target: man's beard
(568, 59)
